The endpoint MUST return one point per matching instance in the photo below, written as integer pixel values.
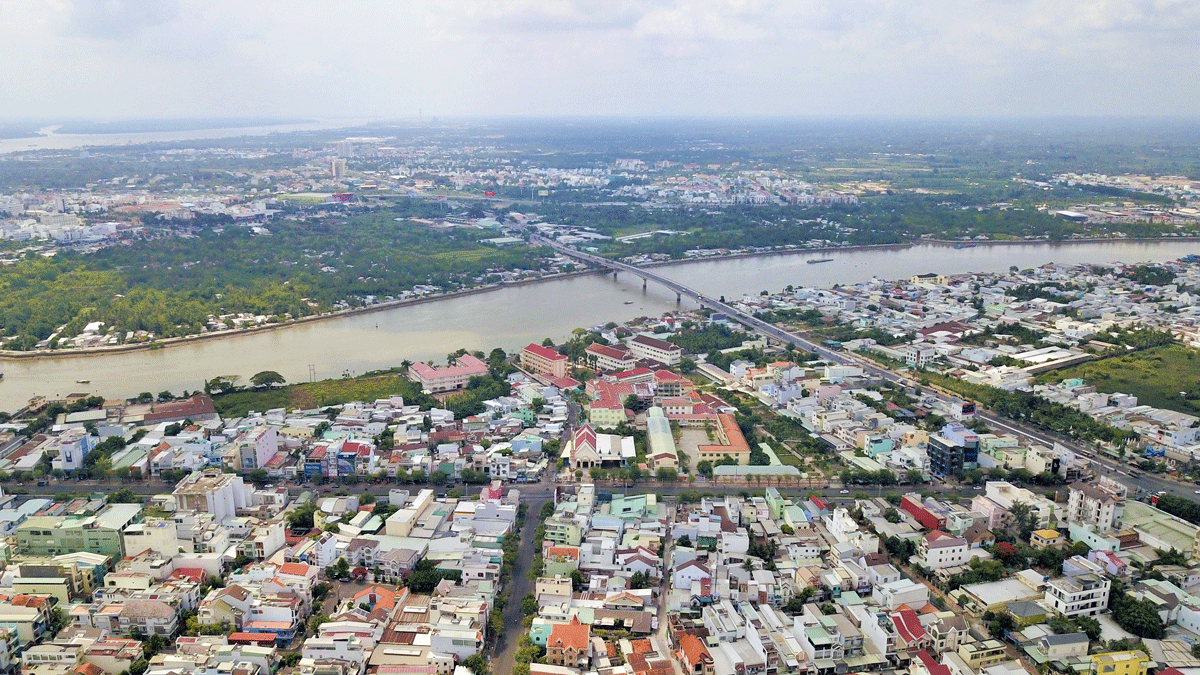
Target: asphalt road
(505, 650)
(1147, 483)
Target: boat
(814, 261)
(965, 245)
(83, 381)
(629, 302)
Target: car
(845, 492)
(977, 487)
(1198, 492)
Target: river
(49, 140)
(511, 318)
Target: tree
(477, 663)
(289, 659)
(631, 402)
(438, 477)
(705, 468)
(267, 378)
(125, 496)
(684, 541)
(529, 605)
(687, 366)
(315, 622)
(891, 515)
(320, 590)
(1023, 520)
(576, 580)
(221, 384)
(301, 517)
(666, 474)
(639, 580)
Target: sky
(393, 59)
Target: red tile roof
(908, 625)
(694, 650)
(544, 352)
(572, 635)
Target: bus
(1135, 474)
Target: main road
(1147, 483)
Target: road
(1147, 483)
(505, 650)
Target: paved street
(505, 650)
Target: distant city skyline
(121, 59)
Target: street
(505, 649)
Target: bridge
(681, 291)
(1150, 484)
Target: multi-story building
(256, 447)
(211, 491)
(609, 359)
(70, 448)
(729, 442)
(940, 550)
(1100, 505)
(101, 533)
(646, 347)
(452, 378)
(543, 361)
(1079, 595)
(980, 655)
(568, 645)
(948, 457)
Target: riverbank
(50, 355)
(1066, 242)
(253, 330)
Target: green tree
(267, 378)
(125, 496)
(684, 541)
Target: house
(694, 656)
(1040, 539)
(568, 645)
(687, 573)
(1058, 647)
(1121, 663)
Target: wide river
(511, 318)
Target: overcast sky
(390, 58)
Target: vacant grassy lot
(1156, 376)
(319, 394)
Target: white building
(1101, 505)
(646, 347)
(220, 494)
(940, 550)
(1079, 595)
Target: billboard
(1152, 451)
(968, 409)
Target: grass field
(318, 394)
(1156, 376)
(467, 256)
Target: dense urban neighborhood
(932, 492)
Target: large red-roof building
(543, 361)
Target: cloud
(383, 58)
(117, 19)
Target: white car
(845, 492)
